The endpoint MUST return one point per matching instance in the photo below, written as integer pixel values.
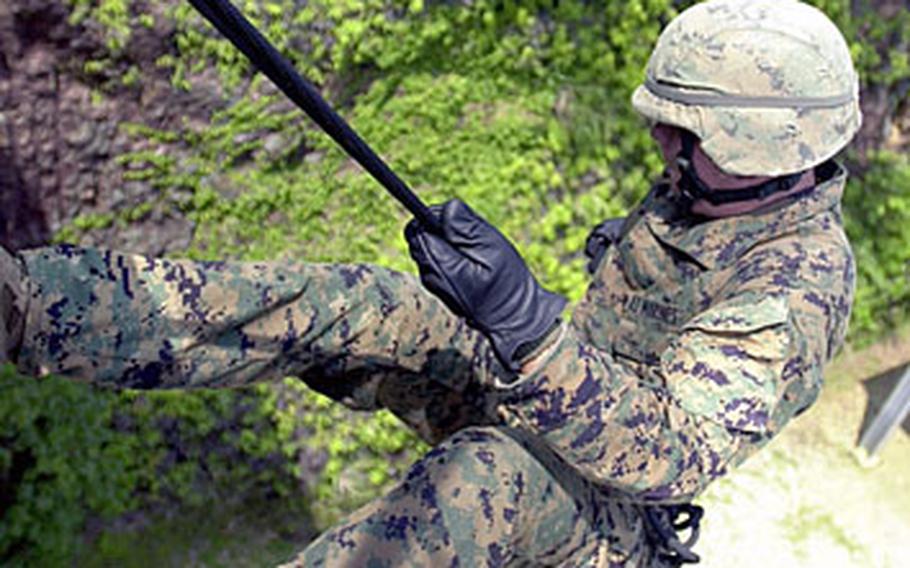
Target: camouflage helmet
(766, 85)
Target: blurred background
(131, 124)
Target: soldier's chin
(708, 209)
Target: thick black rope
(245, 37)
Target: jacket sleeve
(130, 321)
(726, 383)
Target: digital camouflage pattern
(781, 54)
(695, 343)
(359, 333)
(487, 496)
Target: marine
(712, 311)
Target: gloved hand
(602, 237)
(480, 276)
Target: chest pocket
(639, 298)
(727, 363)
(644, 328)
(653, 295)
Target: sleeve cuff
(531, 349)
(547, 344)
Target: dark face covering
(712, 192)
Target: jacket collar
(716, 243)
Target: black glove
(482, 278)
(601, 238)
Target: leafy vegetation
(878, 223)
(519, 108)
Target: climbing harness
(262, 54)
(664, 523)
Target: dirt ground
(807, 500)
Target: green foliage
(278, 19)
(70, 453)
(877, 206)
(529, 119)
(877, 199)
(880, 46)
(248, 533)
(112, 15)
(58, 460)
(519, 108)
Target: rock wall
(60, 125)
(60, 128)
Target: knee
(479, 455)
(475, 474)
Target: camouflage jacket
(697, 341)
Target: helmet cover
(768, 86)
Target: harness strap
(664, 523)
(263, 55)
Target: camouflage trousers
(370, 338)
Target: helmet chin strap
(694, 188)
